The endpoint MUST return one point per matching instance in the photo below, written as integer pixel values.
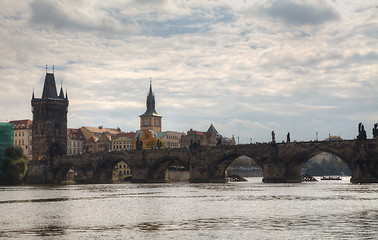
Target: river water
(235, 210)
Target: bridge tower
(49, 122)
(150, 120)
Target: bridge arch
(296, 164)
(60, 172)
(104, 169)
(219, 172)
(157, 171)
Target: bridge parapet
(281, 162)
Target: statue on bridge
(361, 132)
(375, 131)
(159, 144)
(288, 138)
(273, 137)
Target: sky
(247, 67)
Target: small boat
(331, 178)
(236, 178)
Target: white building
(170, 138)
(75, 141)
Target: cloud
(296, 13)
(76, 15)
(209, 63)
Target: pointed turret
(33, 94)
(61, 94)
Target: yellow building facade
(148, 139)
(121, 172)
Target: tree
(14, 167)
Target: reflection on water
(252, 210)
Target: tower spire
(150, 104)
(150, 120)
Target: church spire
(150, 103)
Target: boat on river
(331, 178)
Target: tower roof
(212, 129)
(61, 94)
(49, 88)
(150, 105)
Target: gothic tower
(49, 122)
(150, 120)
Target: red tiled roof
(123, 134)
(20, 124)
(92, 139)
(75, 134)
(112, 131)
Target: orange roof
(92, 139)
(21, 124)
(123, 134)
(100, 129)
(75, 134)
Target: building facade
(210, 138)
(121, 172)
(171, 139)
(150, 120)
(98, 139)
(147, 137)
(123, 141)
(23, 136)
(101, 143)
(200, 138)
(75, 141)
(49, 131)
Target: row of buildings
(47, 134)
(100, 139)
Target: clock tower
(150, 120)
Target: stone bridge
(280, 162)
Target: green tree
(332, 166)
(14, 166)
